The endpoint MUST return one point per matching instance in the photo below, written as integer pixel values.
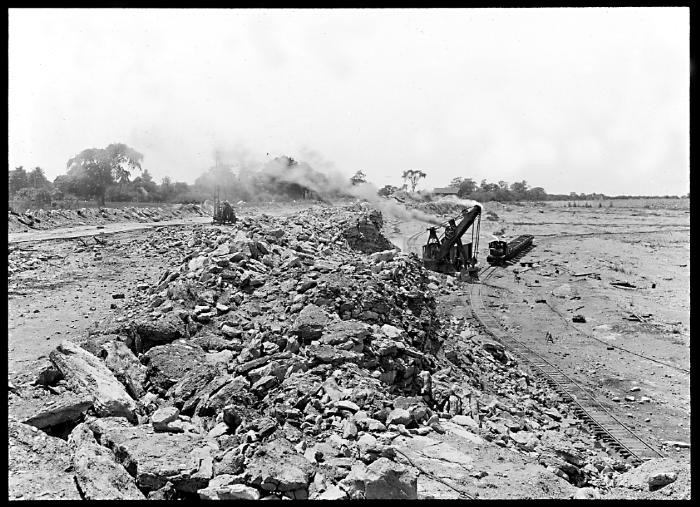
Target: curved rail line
(604, 424)
(411, 240)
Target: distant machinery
(447, 254)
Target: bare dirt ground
(92, 230)
(634, 341)
(634, 338)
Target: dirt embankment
(43, 219)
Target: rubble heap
(275, 361)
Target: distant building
(445, 191)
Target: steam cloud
(329, 185)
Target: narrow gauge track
(603, 423)
(411, 241)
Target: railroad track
(411, 242)
(608, 428)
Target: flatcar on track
(502, 251)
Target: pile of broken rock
(275, 361)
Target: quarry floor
(577, 254)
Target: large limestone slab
(651, 475)
(383, 479)
(189, 385)
(126, 367)
(88, 375)
(41, 409)
(39, 466)
(344, 331)
(99, 476)
(150, 332)
(167, 364)
(310, 323)
(224, 487)
(278, 467)
(154, 459)
(386, 479)
(234, 391)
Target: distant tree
(503, 185)
(94, 170)
(182, 192)
(62, 183)
(456, 182)
(519, 188)
(146, 188)
(537, 194)
(387, 190)
(36, 178)
(57, 194)
(487, 187)
(358, 177)
(165, 189)
(467, 187)
(17, 180)
(411, 176)
(35, 195)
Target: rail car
(502, 251)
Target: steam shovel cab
(448, 254)
(223, 214)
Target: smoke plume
(284, 177)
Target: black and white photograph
(349, 254)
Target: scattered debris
(623, 285)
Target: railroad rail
(612, 432)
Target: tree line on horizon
(115, 174)
(467, 188)
(110, 174)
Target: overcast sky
(584, 100)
